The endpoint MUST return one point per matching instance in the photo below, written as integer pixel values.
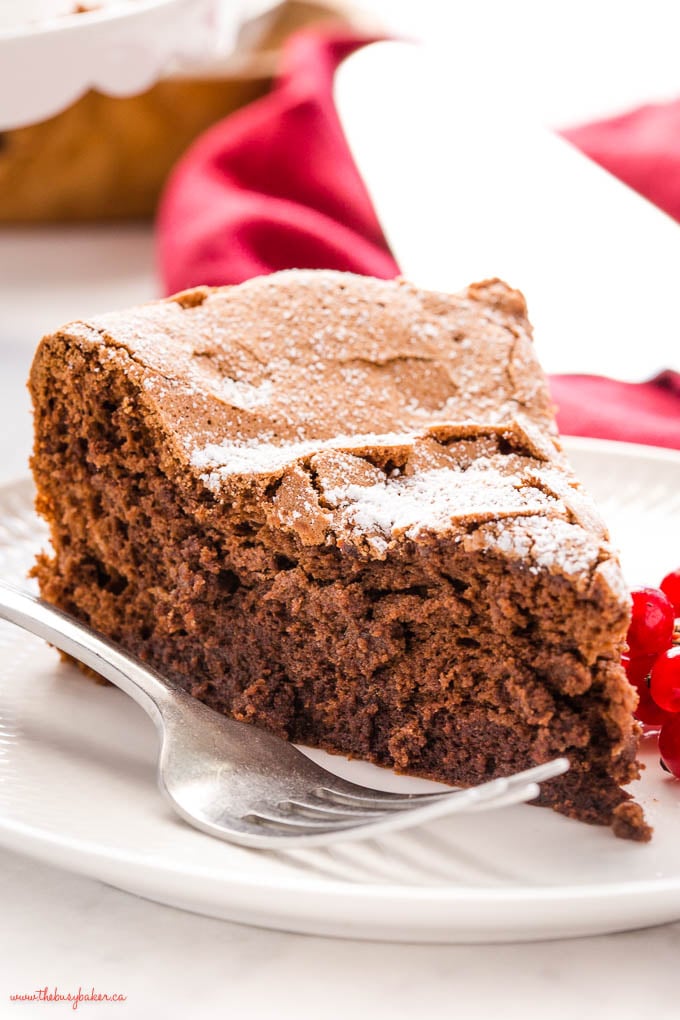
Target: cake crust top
(310, 355)
(360, 411)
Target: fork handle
(148, 688)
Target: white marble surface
(64, 930)
(61, 929)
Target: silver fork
(240, 783)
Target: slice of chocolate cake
(336, 507)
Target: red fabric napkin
(647, 412)
(642, 148)
(274, 186)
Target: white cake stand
(121, 47)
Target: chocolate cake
(337, 508)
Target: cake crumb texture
(338, 508)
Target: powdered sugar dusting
(217, 461)
(433, 500)
(328, 352)
(522, 506)
(548, 543)
(256, 379)
(240, 393)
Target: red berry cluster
(653, 664)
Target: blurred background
(563, 62)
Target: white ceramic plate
(77, 789)
(119, 47)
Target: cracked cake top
(309, 355)
(360, 411)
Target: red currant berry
(670, 586)
(638, 667)
(664, 681)
(669, 745)
(651, 629)
(647, 711)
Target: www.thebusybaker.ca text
(75, 998)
